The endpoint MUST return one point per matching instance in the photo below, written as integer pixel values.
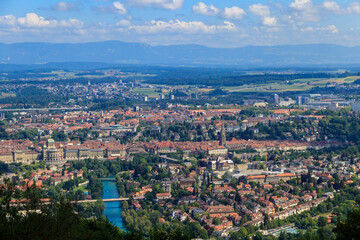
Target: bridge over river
(105, 200)
(108, 179)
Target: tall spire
(223, 136)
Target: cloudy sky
(221, 23)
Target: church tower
(223, 136)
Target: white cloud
(210, 10)
(331, 29)
(233, 13)
(8, 20)
(332, 6)
(71, 23)
(227, 26)
(260, 10)
(305, 11)
(307, 29)
(264, 12)
(301, 5)
(33, 20)
(203, 9)
(354, 7)
(123, 23)
(116, 7)
(270, 21)
(65, 6)
(119, 8)
(165, 4)
(183, 27)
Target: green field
(150, 92)
(294, 85)
(274, 87)
(288, 86)
(82, 188)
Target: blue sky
(225, 23)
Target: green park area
(81, 187)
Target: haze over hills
(179, 55)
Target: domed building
(51, 154)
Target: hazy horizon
(185, 44)
(179, 55)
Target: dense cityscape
(264, 167)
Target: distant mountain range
(116, 52)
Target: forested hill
(179, 55)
